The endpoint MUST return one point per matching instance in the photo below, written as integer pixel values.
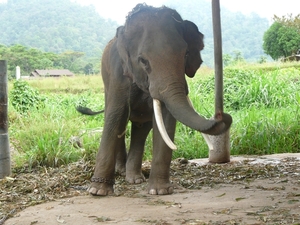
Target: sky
(118, 9)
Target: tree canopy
(29, 59)
(47, 34)
(55, 26)
(282, 39)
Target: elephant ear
(123, 52)
(194, 40)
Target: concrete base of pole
(219, 147)
(4, 156)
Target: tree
(262, 59)
(270, 44)
(88, 69)
(55, 26)
(282, 39)
(69, 60)
(30, 59)
(289, 21)
(238, 56)
(227, 59)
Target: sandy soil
(261, 200)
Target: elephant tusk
(205, 136)
(161, 125)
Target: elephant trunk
(180, 107)
(182, 110)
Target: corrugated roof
(52, 73)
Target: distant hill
(240, 33)
(61, 25)
(55, 26)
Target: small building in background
(51, 73)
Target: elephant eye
(144, 62)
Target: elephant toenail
(152, 192)
(163, 192)
(101, 192)
(93, 191)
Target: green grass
(72, 85)
(42, 136)
(266, 131)
(264, 104)
(265, 107)
(271, 66)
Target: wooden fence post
(18, 73)
(5, 169)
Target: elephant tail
(87, 111)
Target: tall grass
(266, 131)
(264, 105)
(44, 136)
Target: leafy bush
(23, 97)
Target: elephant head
(157, 49)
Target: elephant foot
(135, 178)
(101, 187)
(161, 189)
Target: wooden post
(5, 169)
(219, 147)
(18, 73)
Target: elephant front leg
(159, 183)
(121, 159)
(112, 143)
(139, 133)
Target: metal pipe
(219, 146)
(216, 18)
(5, 169)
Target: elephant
(143, 70)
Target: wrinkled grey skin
(147, 59)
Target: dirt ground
(255, 190)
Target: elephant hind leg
(139, 133)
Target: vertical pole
(4, 140)
(18, 73)
(216, 17)
(219, 151)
